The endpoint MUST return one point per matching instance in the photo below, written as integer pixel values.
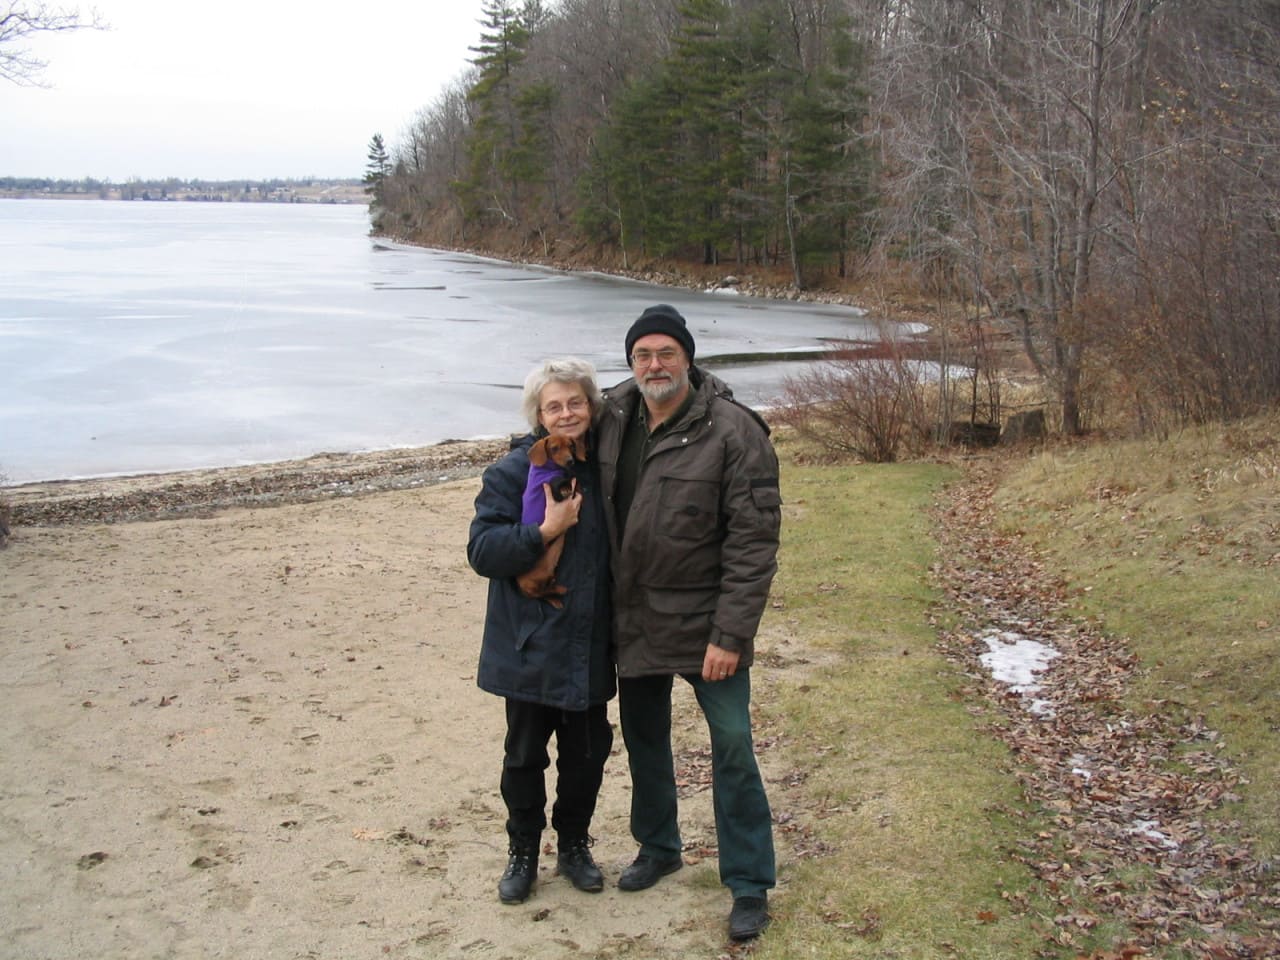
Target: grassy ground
(1173, 545)
(910, 798)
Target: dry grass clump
(1214, 486)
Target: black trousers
(583, 741)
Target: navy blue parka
(530, 650)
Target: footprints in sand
(218, 785)
(212, 842)
(325, 782)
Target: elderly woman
(550, 661)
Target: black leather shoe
(522, 869)
(748, 918)
(645, 871)
(575, 862)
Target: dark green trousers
(744, 826)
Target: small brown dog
(551, 462)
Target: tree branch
(20, 20)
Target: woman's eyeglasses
(555, 409)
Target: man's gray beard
(660, 391)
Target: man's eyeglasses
(666, 356)
(576, 405)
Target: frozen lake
(144, 337)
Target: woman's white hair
(559, 370)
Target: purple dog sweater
(535, 500)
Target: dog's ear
(579, 448)
(538, 452)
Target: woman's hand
(560, 514)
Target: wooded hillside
(1098, 175)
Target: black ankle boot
(576, 863)
(522, 869)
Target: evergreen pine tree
(375, 176)
(509, 137)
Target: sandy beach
(254, 731)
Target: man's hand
(719, 664)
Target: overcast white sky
(240, 89)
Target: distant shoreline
(190, 191)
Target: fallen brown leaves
(1119, 788)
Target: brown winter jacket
(701, 536)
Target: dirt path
(1124, 788)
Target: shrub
(862, 400)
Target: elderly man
(693, 482)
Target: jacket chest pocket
(688, 509)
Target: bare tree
(430, 157)
(1017, 138)
(1195, 322)
(20, 20)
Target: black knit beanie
(661, 318)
